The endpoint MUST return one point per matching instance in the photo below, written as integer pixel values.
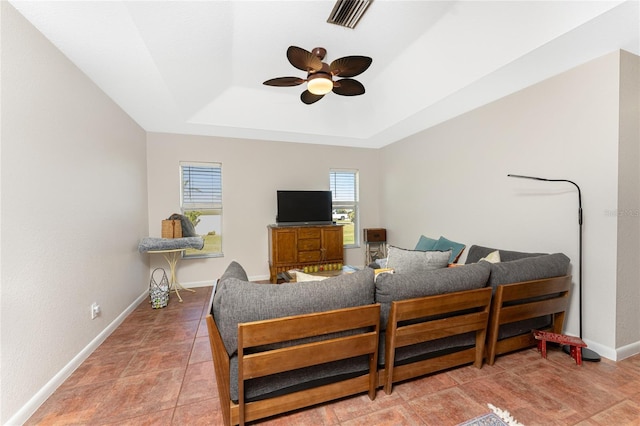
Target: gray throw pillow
(404, 261)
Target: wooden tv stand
(293, 247)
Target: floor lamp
(587, 354)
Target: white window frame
(339, 201)
(207, 201)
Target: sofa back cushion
(234, 270)
(238, 301)
(528, 269)
(478, 252)
(391, 287)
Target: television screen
(304, 207)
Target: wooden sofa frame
(464, 312)
(365, 320)
(510, 303)
(526, 300)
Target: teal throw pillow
(444, 244)
(426, 243)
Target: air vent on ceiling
(347, 13)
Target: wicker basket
(159, 290)
(171, 229)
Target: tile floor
(156, 369)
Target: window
(201, 201)
(344, 189)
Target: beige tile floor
(156, 369)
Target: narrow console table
(171, 249)
(293, 247)
(172, 257)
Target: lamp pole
(587, 354)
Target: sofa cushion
(295, 380)
(478, 252)
(528, 268)
(405, 261)
(238, 301)
(391, 287)
(425, 350)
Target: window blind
(343, 185)
(201, 186)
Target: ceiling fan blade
(308, 98)
(348, 87)
(284, 81)
(303, 59)
(350, 66)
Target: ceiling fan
(320, 74)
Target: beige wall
(74, 204)
(452, 180)
(252, 172)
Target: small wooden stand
(575, 343)
(375, 244)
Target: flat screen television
(304, 208)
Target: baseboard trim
(627, 351)
(614, 354)
(196, 284)
(47, 390)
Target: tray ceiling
(197, 67)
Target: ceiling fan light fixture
(319, 84)
(320, 74)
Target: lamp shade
(319, 84)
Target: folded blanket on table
(150, 244)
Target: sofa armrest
(279, 345)
(221, 366)
(526, 300)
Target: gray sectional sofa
(278, 347)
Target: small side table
(172, 256)
(575, 343)
(375, 244)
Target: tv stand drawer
(309, 244)
(309, 256)
(306, 233)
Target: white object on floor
(505, 415)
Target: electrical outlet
(95, 310)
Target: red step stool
(573, 342)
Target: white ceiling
(197, 67)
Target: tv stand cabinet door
(284, 243)
(332, 244)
